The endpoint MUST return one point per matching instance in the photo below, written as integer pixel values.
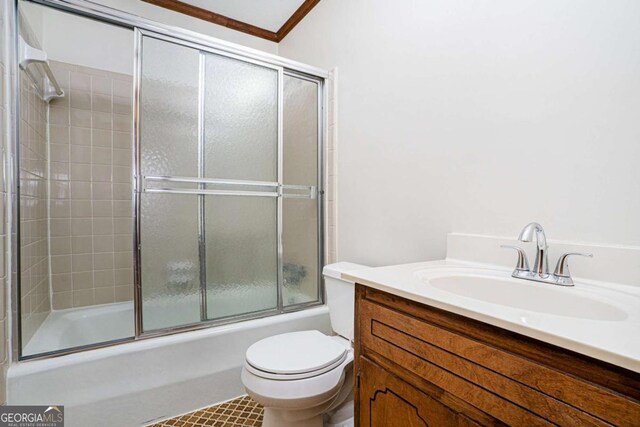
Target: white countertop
(616, 340)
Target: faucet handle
(562, 267)
(523, 262)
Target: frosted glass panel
(300, 251)
(300, 167)
(169, 109)
(170, 264)
(300, 122)
(169, 222)
(241, 255)
(241, 120)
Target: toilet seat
(295, 356)
(313, 391)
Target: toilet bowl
(305, 378)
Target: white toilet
(306, 378)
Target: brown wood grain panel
(357, 349)
(386, 400)
(551, 409)
(466, 390)
(609, 405)
(442, 396)
(588, 369)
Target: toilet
(305, 378)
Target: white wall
(165, 16)
(34, 15)
(81, 41)
(479, 116)
(69, 38)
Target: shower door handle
(270, 188)
(299, 191)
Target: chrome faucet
(540, 270)
(541, 264)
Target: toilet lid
(295, 353)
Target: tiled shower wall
(91, 189)
(34, 234)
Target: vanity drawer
(514, 389)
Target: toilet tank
(341, 297)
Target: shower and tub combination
(168, 209)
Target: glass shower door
(300, 233)
(168, 220)
(241, 152)
(209, 186)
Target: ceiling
(269, 19)
(267, 14)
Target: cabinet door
(387, 401)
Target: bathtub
(137, 383)
(75, 327)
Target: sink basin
(594, 318)
(499, 288)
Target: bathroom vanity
(421, 360)
(418, 365)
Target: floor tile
(240, 412)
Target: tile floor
(240, 412)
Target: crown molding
(234, 24)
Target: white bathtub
(76, 327)
(135, 383)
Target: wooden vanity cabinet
(417, 365)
